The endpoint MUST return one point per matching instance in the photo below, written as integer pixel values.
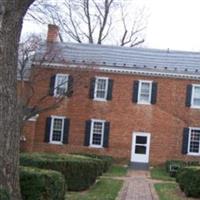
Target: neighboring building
(141, 105)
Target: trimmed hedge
(4, 195)
(179, 164)
(173, 166)
(79, 171)
(107, 160)
(189, 181)
(39, 184)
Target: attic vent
(145, 66)
(196, 70)
(175, 69)
(134, 65)
(186, 70)
(155, 67)
(83, 61)
(124, 64)
(165, 67)
(104, 63)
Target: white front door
(140, 147)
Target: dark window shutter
(52, 85)
(188, 95)
(66, 131)
(47, 130)
(135, 91)
(110, 87)
(70, 86)
(185, 141)
(154, 93)
(106, 134)
(92, 86)
(87, 132)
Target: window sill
(103, 100)
(58, 143)
(193, 154)
(95, 146)
(195, 107)
(144, 103)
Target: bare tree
(28, 76)
(91, 21)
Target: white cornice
(126, 70)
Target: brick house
(140, 105)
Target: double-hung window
(194, 141)
(61, 84)
(101, 88)
(97, 133)
(144, 93)
(195, 101)
(57, 129)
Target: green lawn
(167, 191)
(160, 174)
(104, 189)
(116, 170)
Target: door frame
(133, 155)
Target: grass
(167, 191)
(160, 174)
(104, 189)
(116, 170)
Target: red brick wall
(165, 120)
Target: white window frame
(139, 92)
(189, 140)
(102, 132)
(106, 89)
(192, 97)
(53, 117)
(56, 83)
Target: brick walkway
(137, 186)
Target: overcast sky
(173, 24)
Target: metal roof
(114, 56)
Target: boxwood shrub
(4, 194)
(39, 184)
(173, 166)
(189, 180)
(79, 171)
(107, 160)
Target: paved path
(138, 186)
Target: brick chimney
(53, 32)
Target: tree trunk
(11, 16)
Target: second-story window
(144, 93)
(61, 84)
(101, 88)
(196, 96)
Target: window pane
(194, 141)
(101, 88)
(57, 130)
(140, 149)
(56, 136)
(196, 102)
(97, 133)
(144, 98)
(100, 94)
(61, 84)
(141, 139)
(57, 124)
(197, 92)
(145, 88)
(145, 92)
